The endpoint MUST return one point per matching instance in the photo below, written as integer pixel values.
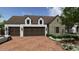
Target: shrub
(64, 36)
(70, 36)
(67, 46)
(54, 36)
(67, 36)
(59, 36)
(75, 37)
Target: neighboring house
(34, 26)
(75, 29)
(55, 27)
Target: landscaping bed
(67, 41)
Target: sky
(8, 12)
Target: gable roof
(34, 19)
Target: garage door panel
(34, 31)
(14, 31)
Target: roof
(21, 19)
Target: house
(75, 29)
(28, 25)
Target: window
(57, 29)
(28, 22)
(40, 21)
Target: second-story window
(28, 21)
(40, 21)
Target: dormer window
(27, 20)
(40, 21)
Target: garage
(34, 31)
(14, 31)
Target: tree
(1, 21)
(1, 25)
(70, 16)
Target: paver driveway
(30, 43)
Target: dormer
(40, 21)
(28, 21)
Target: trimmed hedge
(64, 36)
(54, 36)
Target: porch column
(21, 31)
(45, 30)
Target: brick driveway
(30, 43)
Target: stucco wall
(55, 24)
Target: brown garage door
(14, 31)
(34, 31)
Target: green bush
(70, 36)
(76, 37)
(68, 47)
(64, 36)
(54, 36)
(59, 36)
(67, 36)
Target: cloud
(53, 11)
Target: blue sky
(7, 12)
